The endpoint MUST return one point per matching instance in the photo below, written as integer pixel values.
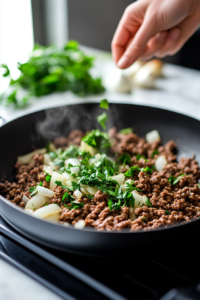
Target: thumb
(135, 49)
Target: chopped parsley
(71, 152)
(154, 153)
(131, 187)
(48, 177)
(125, 158)
(104, 104)
(33, 190)
(59, 162)
(144, 218)
(48, 147)
(174, 180)
(148, 202)
(167, 212)
(98, 139)
(74, 205)
(67, 197)
(126, 130)
(198, 185)
(102, 119)
(53, 155)
(133, 169)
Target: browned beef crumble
(170, 204)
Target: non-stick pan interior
(35, 130)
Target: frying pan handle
(2, 121)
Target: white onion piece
(72, 161)
(91, 190)
(128, 181)
(52, 147)
(47, 210)
(133, 69)
(51, 164)
(74, 170)
(46, 159)
(26, 159)
(56, 177)
(65, 224)
(68, 176)
(153, 136)
(44, 191)
(85, 147)
(84, 190)
(123, 186)
(132, 215)
(52, 218)
(47, 169)
(80, 224)
(160, 163)
(68, 183)
(139, 200)
(36, 202)
(28, 211)
(78, 194)
(25, 199)
(119, 178)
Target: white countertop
(178, 90)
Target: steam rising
(60, 121)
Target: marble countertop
(178, 90)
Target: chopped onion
(46, 159)
(44, 191)
(84, 190)
(26, 159)
(52, 147)
(66, 224)
(128, 181)
(68, 176)
(28, 211)
(91, 190)
(123, 186)
(85, 147)
(153, 136)
(25, 199)
(52, 218)
(78, 194)
(72, 161)
(139, 200)
(80, 224)
(160, 163)
(68, 183)
(47, 169)
(119, 178)
(51, 164)
(36, 202)
(56, 177)
(47, 210)
(132, 215)
(75, 170)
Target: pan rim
(89, 229)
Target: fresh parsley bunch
(50, 70)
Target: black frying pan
(34, 130)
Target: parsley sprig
(174, 180)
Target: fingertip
(123, 63)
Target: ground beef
(170, 203)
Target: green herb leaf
(98, 139)
(174, 180)
(131, 171)
(198, 185)
(102, 119)
(59, 162)
(48, 177)
(148, 202)
(125, 158)
(53, 155)
(126, 130)
(154, 153)
(167, 212)
(131, 187)
(104, 104)
(7, 71)
(144, 218)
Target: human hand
(154, 28)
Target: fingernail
(123, 62)
(161, 37)
(174, 34)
